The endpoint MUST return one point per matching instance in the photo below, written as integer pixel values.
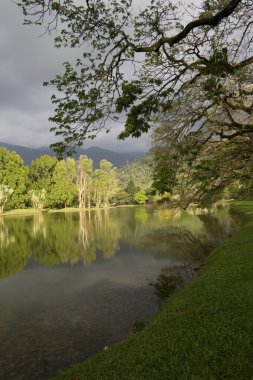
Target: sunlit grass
(203, 332)
(26, 211)
(32, 211)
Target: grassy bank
(20, 212)
(204, 331)
(32, 211)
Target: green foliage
(5, 194)
(140, 197)
(193, 167)
(130, 93)
(121, 197)
(131, 189)
(38, 198)
(139, 118)
(51, 183)
(84, 181)
(139, 172)
(14, 175)
(166, 48)
(41, 175)
(105, 183)
(241, 188)
(64, 188)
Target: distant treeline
(50, 183)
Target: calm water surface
(71, 284)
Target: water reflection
(189, 236)
(5, 237)
(73, 238)
(194, 241)
(167, 282)
(14, 250)
(85, 279)
(39, 225)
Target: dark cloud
(26, 60)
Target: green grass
(203, 332)
(32, 211)
(26, 211)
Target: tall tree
(38, 198)
(64, 183)
(84, 181)
(131, 190)
(168, 46)
(97, 191)
(14, 175)
(41, 174)
(5, 194)
(105, 183)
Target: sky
(27, 59)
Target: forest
(51, 183)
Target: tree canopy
(144, 64)
(51, 183)
(14, 175)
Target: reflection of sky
(128, 268)
(61, 315)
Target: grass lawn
(19, 211)
(32, 211)
(203, 332)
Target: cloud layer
(28, 59)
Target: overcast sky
(26, 60)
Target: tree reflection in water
(39, 226)
(191, 247)
(87, 249)
(98, 230)
(166, 283)
(14, 250)
(82, 237)
(5, 237)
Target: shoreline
(203, 331)
(31, 211)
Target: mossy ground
(203, 332)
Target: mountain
(96, 153)
(116, 158)
(27, 154)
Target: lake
(74, 283)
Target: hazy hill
(96, 153)
(139, 170)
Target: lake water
(73, 283)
